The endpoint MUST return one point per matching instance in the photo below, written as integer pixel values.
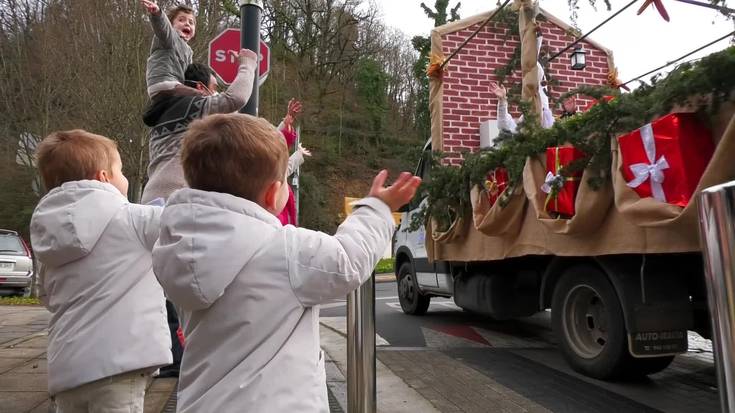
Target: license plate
(657, 343)
(6, 266)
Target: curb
(385, 278)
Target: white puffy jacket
(248, 291)
(108, 313)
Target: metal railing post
(250, 18)
(361, 396)
(717, 234)
(295, 182)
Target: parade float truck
(594, 218)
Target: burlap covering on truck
(629, 225)
(503, 217)
(591, 205)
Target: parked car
(16, 264)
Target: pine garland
(705, 85)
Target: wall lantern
(578, 60)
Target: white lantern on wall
(578, 58)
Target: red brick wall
(467, 98)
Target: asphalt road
(522, 355)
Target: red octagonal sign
(222, 62)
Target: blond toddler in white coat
(248, 289)
(108, 329)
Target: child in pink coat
(289, 214)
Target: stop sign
(225, 65)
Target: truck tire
(411, 299)
(588, 321)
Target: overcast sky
(639, 43)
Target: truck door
(425, 271)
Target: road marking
(342, 303)
(339, 324)
(446, 304)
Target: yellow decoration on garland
(434, 69)
(614, 81)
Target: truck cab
(418, 278)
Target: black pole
(250, 13)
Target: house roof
(481, 17)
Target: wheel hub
(585, 321)
(406, 289)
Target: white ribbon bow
(552, 181)
(653, 170)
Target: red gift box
(562, 190)
(495, 183)
(666, 158)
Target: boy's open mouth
(186, 32)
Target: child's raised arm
(323, 267)
(162, 29)
(151, 6)
(237, 95)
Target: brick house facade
(464, 96)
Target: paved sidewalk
(23, 369)
(393, 394)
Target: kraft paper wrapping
(455, 232)
(527, 11)
(436, 97)
(591, 206)
(495, 220)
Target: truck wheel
(412, 301)
(588, 320)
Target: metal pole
(297, 174)
(717, 234)
(250, 13)
(361, 396)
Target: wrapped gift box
(666, 158)
(495, 183)
(561, 190)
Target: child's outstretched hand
(498, 90)
(151, 6)
(398, 194)
(304, 151)
(294, 108)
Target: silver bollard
(717, 230)
(361, 396)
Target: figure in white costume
(505, 120)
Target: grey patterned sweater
(170, 117)
(170, 54)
